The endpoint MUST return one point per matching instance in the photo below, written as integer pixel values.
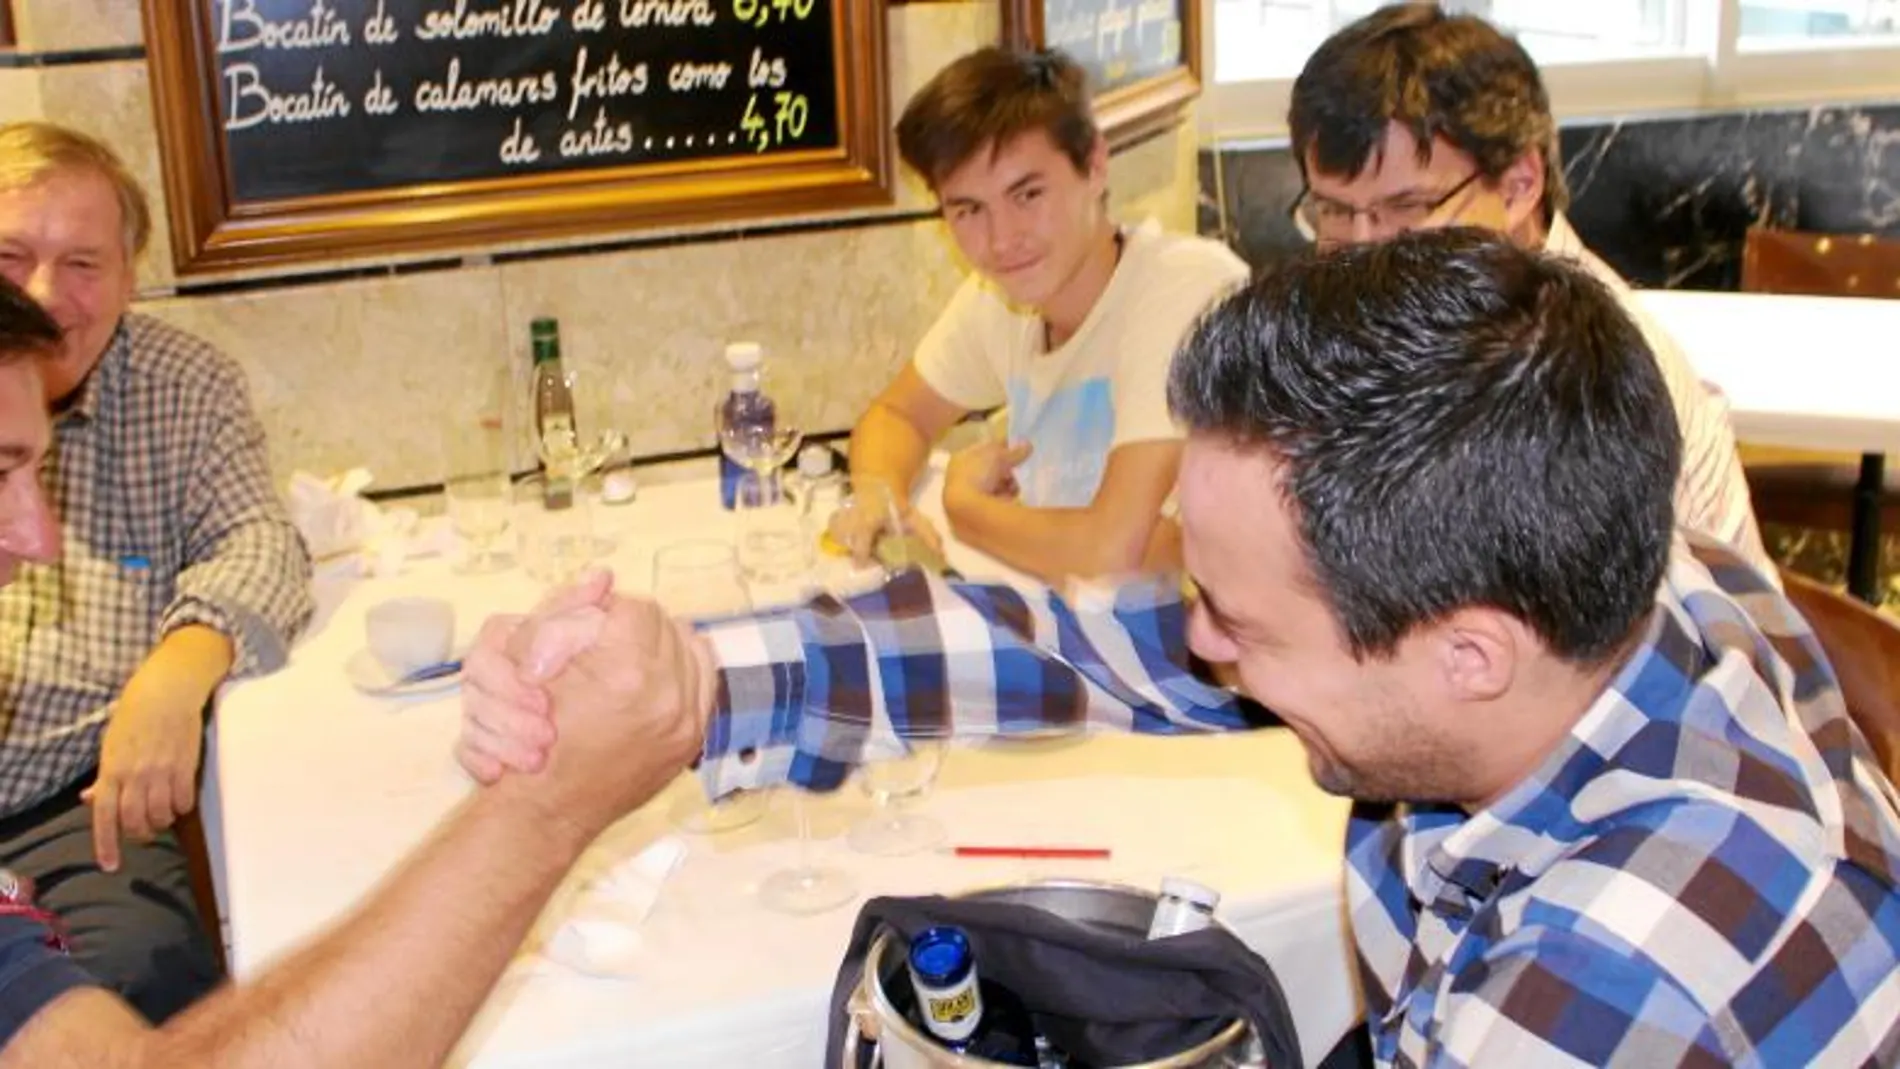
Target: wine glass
(476, 487)
(866, 539)
(700, 580)
(807, 887)
(890, 831)
(761, 435)
(575, 433)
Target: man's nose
(29, 531)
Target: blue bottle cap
(940, 955)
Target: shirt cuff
(246, 659)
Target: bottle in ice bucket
(961, 1011)
(1184, 906)
(743, 412)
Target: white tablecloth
(318, 790)
(1803, 372)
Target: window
(1794, 23)
(1600, 57)
(1263, 39)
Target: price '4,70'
(791, 110)
(760, 12)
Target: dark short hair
(25, 328)
(1438, 74)
(1462, 422)
(984, 100)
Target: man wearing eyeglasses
(1413, 119)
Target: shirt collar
(1453, 861)
(1562, 239)
(103, 377)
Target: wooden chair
(1863, 645)
(1813, 489)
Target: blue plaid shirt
(1704, 873)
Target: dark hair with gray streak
(1462, 422)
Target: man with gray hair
(180, 570)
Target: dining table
(1806, 373)
(315, 790)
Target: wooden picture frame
(7, 39)
(215, 231)
(1127, 109)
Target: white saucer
(368, 675)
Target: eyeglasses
(1320, 217)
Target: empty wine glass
(761, 436)
(700, 580)
(866, 538)
(580, 442)
(890, 782)
(476, 487)
(807, 887)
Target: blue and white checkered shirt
(1705, 872)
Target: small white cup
(410, 633)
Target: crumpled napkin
(343, 528)
(331, 513)
(601, 933)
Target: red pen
(1070, 853)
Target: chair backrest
(1820, 265)
(1864, 648)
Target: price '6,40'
(760, 12)
(787, 123)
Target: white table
(318, 791)
(1805, 372)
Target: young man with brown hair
(1067, 318)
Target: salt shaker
(1185, 906)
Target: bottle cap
(814, 461)
(744, 355)
(1195, 894)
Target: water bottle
(961, 1011)
(1185, 906)
(745, 413)
(554, 429)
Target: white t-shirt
(1711, 493)
(1105, 387)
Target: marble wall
(360, 371)
(1664, 200)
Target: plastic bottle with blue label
(744, 412)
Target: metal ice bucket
(900, 1045)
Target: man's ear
(1478, 653)
(1522, 186)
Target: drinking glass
(890, 831)
(807, 887)
(775, 544)
(700, 580)
(556, 545)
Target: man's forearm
(1052, 544)
(192, 660)
(397, 984)
(805, 694)
(886, 446)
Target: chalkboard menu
(1143, 56)
(294, 129)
